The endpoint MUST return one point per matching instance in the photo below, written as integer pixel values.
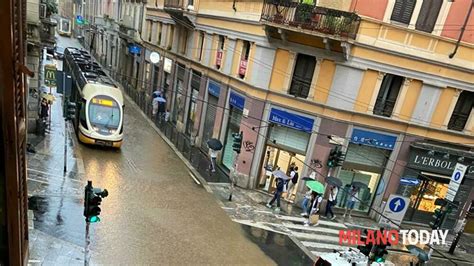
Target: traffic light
(379, 253)
(237, 144)
(336, 157)
(70, 111)
(92, 200)
(438, 219)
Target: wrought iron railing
(384, 108)
(299, 87)
(311, 17)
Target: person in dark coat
(44, 110)
(280, 183)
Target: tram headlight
(95, 128)
(112, 131)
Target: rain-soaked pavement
(154, 214)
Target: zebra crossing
(320, 239)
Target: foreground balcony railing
(311, 17)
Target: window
(428, 15)
(149, 30)
(220, 51)
(302, 75)
(403, 10)
(244, 59)
(195, 85)
(462, 110)
(171, 37)
(388, 94)
(160, 28)
(184, 41)
(200, 45)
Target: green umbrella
(315, 186)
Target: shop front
(195, 85)
(366, 158)
(213, 91)
(236, 107)
(179, 99)
(427, 176)
(286, 146)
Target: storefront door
(277, 158)
(423, 197)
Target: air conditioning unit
(42, 10)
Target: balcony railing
(174, 3)
(458, 121)
(311, 17)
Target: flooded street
(155, 212)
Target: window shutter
(403, 10)
(303, 75)
(428, 15)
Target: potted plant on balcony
(303, 14)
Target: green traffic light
(94, 219)
(379, 260)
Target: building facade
(378, 78)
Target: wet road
(154, 214)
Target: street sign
(409, 181)
(456, 179)
(395, 210)
(50, 75)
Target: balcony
(458, 121)
(318, 20)
(176, 4)
(182, 12)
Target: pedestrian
(315, 204)
(291, 184)
(213, 154)
(167, 115)
(351, 200)
(154, 104)
(161, 110)
(280, 183)
(306, 203)
(332, 200)
(44, 110)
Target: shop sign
(242, 67)
(291, 120)
(236, 100)
(373, 139)
(213, 88)
(219, 58)
(395, 210)
(134, 49)
(456, 179)
(167, 65)
(421, 160)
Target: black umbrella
(214, 144)
(359, 185)
(307, 178)
(334, 181)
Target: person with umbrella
(331, 201)
(351, 200)
(281, 178)
(315, 204)
(215, 146)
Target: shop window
(428, 15)
(171, 37)
(195, 84)
(149, 29)
(462, 110)
(179, 95)
(200, 45)
(403, 10)
(156, 71)
(184, 41)
(233, 126)
(302, 75)
(244, 59)
(388, 94)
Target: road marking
(301, 220)
(267, 212)
(319, 245)
(311, 228)
(327, 238)
(258, 225)
(194, 178)
(60, 177)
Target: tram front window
(104, 115)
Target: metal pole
(459, 234)
(232, 175)
(463, 28)
(65, 146)
(88, 241)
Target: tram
(99, 102)
(64, 28)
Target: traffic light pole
(232, 175)
(65, 145)
(88, 241)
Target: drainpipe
(233, 6)
(463, 28)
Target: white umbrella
(281, 174)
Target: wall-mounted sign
(236, 100)
(373, 139)
(219, 58)
(134, 49)
(243, 67)
(213, 88)
(291, 120)
(456, 179)
(167, 65)
(154, 57)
